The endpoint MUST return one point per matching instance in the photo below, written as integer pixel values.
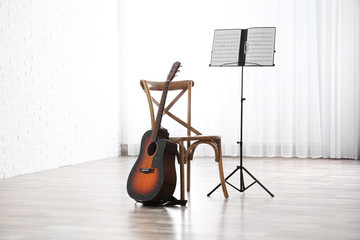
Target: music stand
(243, 47)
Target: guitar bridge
(147, 170)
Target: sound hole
(151, 148)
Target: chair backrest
(182, 87)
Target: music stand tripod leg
(241, 167)
(257, 181)
(225, 181)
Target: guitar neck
(160, 112)
(171, 75)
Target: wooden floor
(314, 199)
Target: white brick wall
(59, 91)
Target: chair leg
(222, 180)
(221, 169)
(182, 184)
(188, 167)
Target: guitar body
(153, 176)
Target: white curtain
(339, 77)
(306, 106)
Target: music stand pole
(241, 168)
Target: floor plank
(314, 199)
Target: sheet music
(226, 47)
(260, 46)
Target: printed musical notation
(226, 47)
(260, 46)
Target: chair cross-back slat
(167, 112)
(175, 100)
(184, 86)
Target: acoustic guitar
(153, 176)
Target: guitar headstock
(174, 69)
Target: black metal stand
(241, 168)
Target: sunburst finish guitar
(153, 176)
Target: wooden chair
(189, 142)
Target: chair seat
(194, 138)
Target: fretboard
(160, 112)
